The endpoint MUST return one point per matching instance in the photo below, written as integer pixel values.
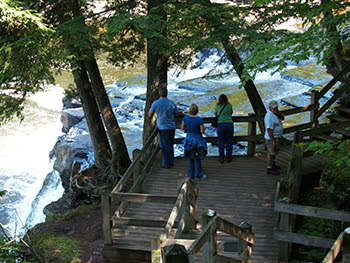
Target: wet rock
(61, 206)
(71, 152)
(70, 103)
(71, 117)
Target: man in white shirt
(274, 129)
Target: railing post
(295, 169)
(244, 249)
(285, 225)
(157, 255)
(251, 132)
(313, 115)
(137, 171)
(346, 245)
(106, 208)
(210, 247)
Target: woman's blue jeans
(194, 168)
(225, 138)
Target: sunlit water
(25, 147)
(24, 159)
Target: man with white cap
(274, 129)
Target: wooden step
(343, 110)
(324, 137)
(336, 118)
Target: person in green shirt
(223, 110)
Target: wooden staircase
(341, 114)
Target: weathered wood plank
(235, 230)
(335, 249)
(127, 221)
(223, 259)
(312, 211)
(303, 239)
(208, 231)
(142, 198)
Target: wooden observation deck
(159, 213)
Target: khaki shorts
(270, 149)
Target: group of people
(195, 148)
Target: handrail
(207, 241)
(185, 207)
(335, 249)
(178, 207)
(333, 82)
(135, 162)
(282, 227)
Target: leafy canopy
(25, 56)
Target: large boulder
(71, 117)
(73, 153)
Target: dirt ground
(86, 229)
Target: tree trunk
(157, 73)
(120, 157)
(340, 59)
(249, 86)
(102, 150)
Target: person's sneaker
(276, 167)
(272, 171)
(229, 159)
(203, 177)
(221, 159)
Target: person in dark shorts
(274, 130)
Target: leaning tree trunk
(102, 150)
(249, 86)
(157, 71)
(120, 157)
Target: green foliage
(9, 250)
(26, 54)
(336, 161)
(273, 48)
(82, 212)
(56, 249)
(70, 92)
(54, 218)
(2, 192)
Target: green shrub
(9, 252)
(336, 173)
(56, 249)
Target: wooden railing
(284, 225)
(206, 242)
(341, 244)
(137, 171)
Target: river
(25, 146)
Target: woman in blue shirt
(194, 143)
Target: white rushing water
(24, 159)
(25, 147)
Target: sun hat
(273, 104)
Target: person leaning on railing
(274, 129)
(223, 110)
(166, 111)
(195, 145)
